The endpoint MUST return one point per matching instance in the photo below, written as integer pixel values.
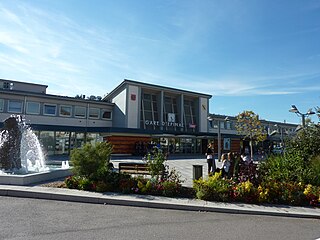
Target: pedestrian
(225, 165)
(210, 159)
(232, 162)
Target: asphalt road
(22, 218)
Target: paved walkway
(183, 164)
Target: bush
(286, 168)
(91, 161)
(155, 162)
(245, 192)
(306, 143)
(213, 189)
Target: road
(22, 218)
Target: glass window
(80, 112)
(106, 115)
(15, 106)
(33, 108)
(62, 143)
(94, 112)
(49, 109)
(48, 142)
(65, 111)
(1, 105)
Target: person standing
(225, 165)
(210, 159)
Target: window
(94, 112)
(33, 108)
(65, 111)
(106, 114)
(49, 109)
(80, 112)
(1, 105)
(15, 106)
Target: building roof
(152, 86)
(15, 81)
(51, 96)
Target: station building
(134, 117)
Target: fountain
(22, 161)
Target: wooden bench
(134, 168)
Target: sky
(259, 55)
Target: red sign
(133, 97)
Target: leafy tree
(249, 126)
(306, 143)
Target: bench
(134, 168)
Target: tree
(249, 126)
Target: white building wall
(203, 114)
(133, 99)
(119, 111)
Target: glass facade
(61, 143)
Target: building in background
(134, 117)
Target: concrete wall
(120, 108)
(26, 87)
(133, 100)
(203, 114)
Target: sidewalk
(62, 194)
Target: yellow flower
(308, 189)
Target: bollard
(197, 172)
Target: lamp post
(210, 118)
(303, 116)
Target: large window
(65, 111)
(106, 114)
(80, 112)
(149, 111)
(189, 115)
(15, 106)
(49, 109)
(171, 113)
(1, 105)
(33, 108)
(94, 112)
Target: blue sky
(260, 55)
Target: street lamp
(226, 119)
(295, 110)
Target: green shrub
(245, 192)
(314, 176)
(155, 162)
(214, 188)
(103, 187)
(306, 143)
(286, 168)
(170, 188)
(91, 161)
(72, 182)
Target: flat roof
(42, 85)
(142, 84)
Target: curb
(149, 201)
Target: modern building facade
(134, 117)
